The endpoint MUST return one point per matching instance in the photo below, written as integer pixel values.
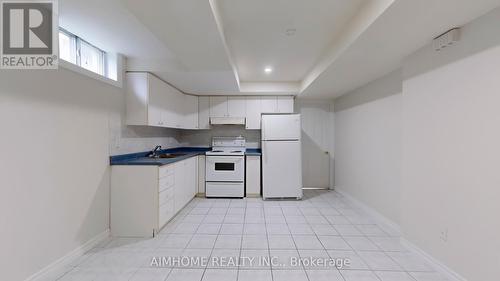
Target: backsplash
(204, 137)
(130, 139)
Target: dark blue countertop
(141, 158)
(253, 152)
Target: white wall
(450, 137)
(56, 128)
(451, 149)
(368, 149)
(451, 173)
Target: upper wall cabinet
(255, 106)
(218, 107)
(236, 106)
(281, 104)
(191, 111)
(152, 102)
(254, 111)
(203, 113)
(269, 104)
(285, 105)
(227, 106)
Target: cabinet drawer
(166, 212)
(166, 171)
(166, 182)
(165, 196)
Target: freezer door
(281, 169)
(281, 127)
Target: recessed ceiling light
(268, 69)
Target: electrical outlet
(444, 235)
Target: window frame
(76, 44)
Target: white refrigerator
(281, 156)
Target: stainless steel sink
(167, 155)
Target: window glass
(91, 58)
(77, 51)
(67, 48)
(224, 166)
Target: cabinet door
(252, 175)
(269, 105)
(180, 111)
(236, 106)
(285, 105)
(218, 106)
(193, 182)
(190, 168)
(156, 100)
(203, 113)
(180, 186)
(137, 98)
(170, 115)
(191, 110)
(253, 109)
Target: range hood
(227, 120)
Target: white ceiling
(110, 26)
(256, 34)
(211, 47)
(402, 29)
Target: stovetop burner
(228, 146)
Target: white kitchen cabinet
(269, 104)
(171, 116)
(285, 105)
(218, 106)
(156, 104)
(152, 102)
(145, 198)
(186, 174)
(227, 106)
(201, 174)
(191, 175)
(252, 180)
(253, 111)
(236, 106)
(203, 113)
(144, 100)
(191, 112)
(178, 108)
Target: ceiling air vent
(446, 39)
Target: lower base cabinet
(252, 175)
(145, 198)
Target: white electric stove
(225, 168)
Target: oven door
(225, 168)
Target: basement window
(77, 51)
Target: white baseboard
(436, 264)
(67, 259)
(384, 222)
(381, 220)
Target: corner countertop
(141, 159)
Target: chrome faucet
(154, 152)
